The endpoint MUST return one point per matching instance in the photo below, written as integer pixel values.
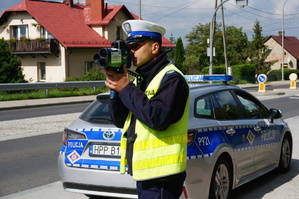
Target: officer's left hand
(117, 81)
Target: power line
(178, 10)
(272, 13)
(244, 10)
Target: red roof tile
(291, 44)
(70, 25)
(65, 23)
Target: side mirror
(275, 114)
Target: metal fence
(50, 85)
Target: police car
(232, 139)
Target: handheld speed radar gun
(114, 59)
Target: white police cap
(140, 30)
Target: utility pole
(215, 21)
(139, 10)
(212, 38)
(241, 3)
(224, 39)
(282, 42)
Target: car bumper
(114, 184)
(96, 182)
(197, 183)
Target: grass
(52, 93)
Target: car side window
(204, 108)
(219, 115)
(253, 108)
(228, 105)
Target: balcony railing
(34, 46)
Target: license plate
(104, 150)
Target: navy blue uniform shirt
(163, 109)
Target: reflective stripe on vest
(157, 153)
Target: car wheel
(285, 154)
(221, 183)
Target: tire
(221, 182)
(285, 154)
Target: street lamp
(241, 3)
(282, 42)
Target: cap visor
(134, 41)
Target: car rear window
(97, 112)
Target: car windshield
(97, 112)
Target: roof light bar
(206, 78)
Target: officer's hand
(117, 81)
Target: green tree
(10, 65)
(179, 57)
(170, 51)
(197, 48)
(258, 51)
(237, 45)
(196, 57)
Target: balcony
(34, 46)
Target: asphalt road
(32, 162)
(269, 186)
(288, 105)
(32, 112)
(28, 162)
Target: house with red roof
(58, 40)
(290, 53)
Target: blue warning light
(205, 78)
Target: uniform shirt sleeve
(118, 112)
(163, 109)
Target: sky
(179, 17)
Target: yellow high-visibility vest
(157, 153)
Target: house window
(88, 66)
(46, 34)
(118, 33)
(42, 71)
(19, 31)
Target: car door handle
(230, 131)
(257, 128)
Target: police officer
(153, 114)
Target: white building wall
(70, 62)
(77, 60)
(54, 69)
(109, 32)
(17, 19)
(276, 55)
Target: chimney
(280, 33)
(69, 2)
(97, 9)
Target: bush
(10, 65)
(286, 72)
(94, 74)
(244, 73)
(216, 70)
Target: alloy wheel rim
(221, 182)
(286, 153)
